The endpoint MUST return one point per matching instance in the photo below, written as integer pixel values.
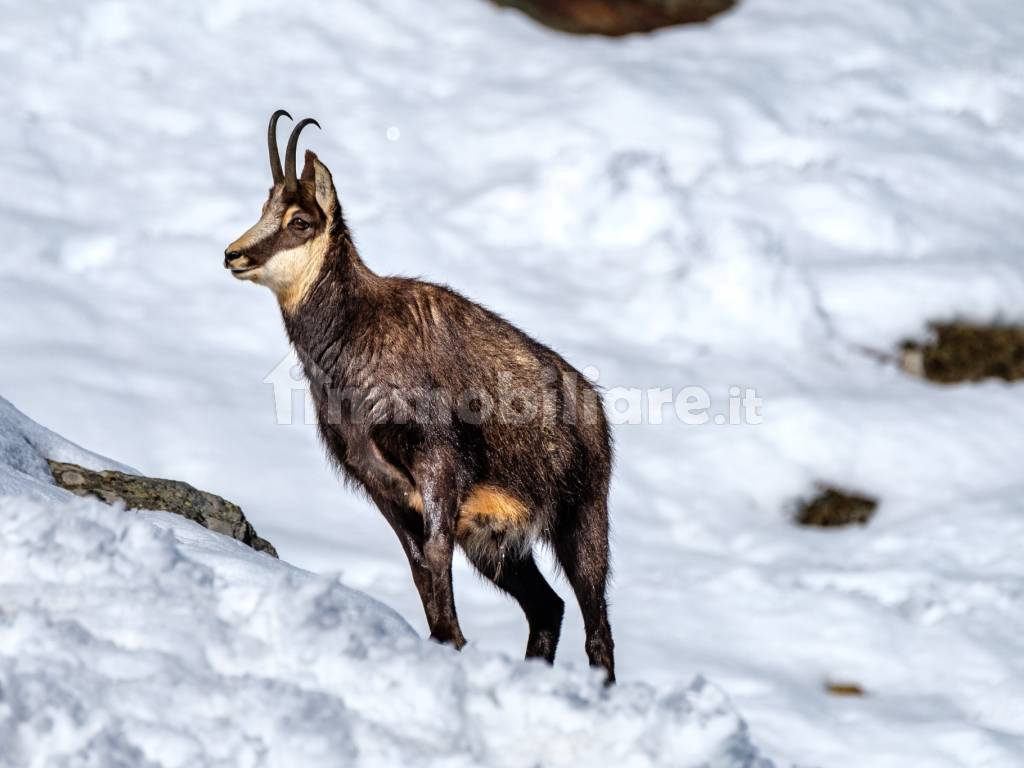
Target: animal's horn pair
(288, 174)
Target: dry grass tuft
(961, 352)
(844, 689)
(833, 508)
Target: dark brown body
(461, 428)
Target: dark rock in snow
(617, 17)
(833, 508)
(960, 352)
(137, 492)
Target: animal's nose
(230, 256)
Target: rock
(617, 17)
(69, 477)
(833, 508)
(137, 492)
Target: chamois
(460, 427)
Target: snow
(24, 448)
(143, 639)
(773, 201)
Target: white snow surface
(142, 639)
(775, 200)
(24, 448)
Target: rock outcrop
(618, 17)
(138, 492)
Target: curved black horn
(275, 156)
(290, 181)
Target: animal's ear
(314, 172)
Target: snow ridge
(145, 640)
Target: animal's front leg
(410, 534)
(440, 509)
(365, 457)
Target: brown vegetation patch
(833, 508)
(844, 689)
(617, 17)
(961, 352)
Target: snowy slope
(766, 202)
(142, 639)
(24, 448)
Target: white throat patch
(290, 274)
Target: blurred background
(820, 202)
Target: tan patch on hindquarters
(490, 507)
(487, 507)
(493, 526)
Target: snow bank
(24, 448)
(141, 640)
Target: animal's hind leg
(581, 545)
(521, 578)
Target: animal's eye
(300, 224)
